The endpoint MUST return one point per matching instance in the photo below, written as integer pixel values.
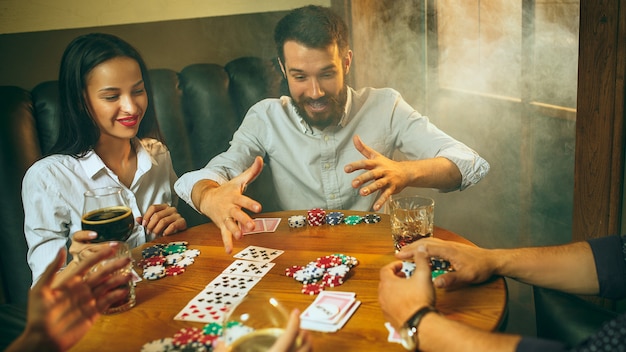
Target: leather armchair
(198, 110)
(566, 317)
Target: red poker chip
(174, 270)
(328, 261)
(292, 270)
(186, 335)
(153, 261)
(333, 281)
(312, 289)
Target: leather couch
(198, 110)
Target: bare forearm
(570, 268)
(439, 173)
(435, 333)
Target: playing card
(393, 334)
(211, 305)
(259, 254)
(259, 226)
(234, 282)
(248, 268)
(328, 308)
(271, 224)
(316, 326)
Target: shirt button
(325, 138)
(326, 166)
(332, 196)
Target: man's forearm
(439, 173)
(570, 268)
(435, 331)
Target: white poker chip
(154, 272)
(309, 274)
(159, 345)
(339, 270)
(233, 333)
(185, 261)
(173, 258)
(191, 253)
(408, 268)
(178, 243)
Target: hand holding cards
(263, 225)
(329, 312)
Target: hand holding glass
(106, 212)
(122, 251)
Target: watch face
(406, 334)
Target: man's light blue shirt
(307, 164)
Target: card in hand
(271, 224)
(259, 254)
(259, 226)
(248, 268)
(263, 225)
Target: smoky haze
(499, 79)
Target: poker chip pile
(319, 217)
(327, 271)
(195, 339)
(169, 259)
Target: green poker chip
(352, 219)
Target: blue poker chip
(151, 251)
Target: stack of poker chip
(334, 218)
(297, 221)
(188, 339)
(316, 217)
(169, 259)
(327, 271)
(353, 219)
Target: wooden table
(158, 301)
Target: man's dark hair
(312, 26)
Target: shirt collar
(93, 164)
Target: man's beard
(336, 104)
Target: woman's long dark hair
(78, 133)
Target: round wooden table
(158, 301)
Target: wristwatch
(408, 331)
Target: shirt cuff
(528, 344)
(184, 185)
(610, 266)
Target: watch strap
(414, 321)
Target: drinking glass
(106, 212)
(123, 251)
(255, 324)
(412, 218)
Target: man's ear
(347, 61)
(282, 68)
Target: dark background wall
(29, 58)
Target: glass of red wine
(106, 212)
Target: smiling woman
(109, 137)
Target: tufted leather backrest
(198, 110)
